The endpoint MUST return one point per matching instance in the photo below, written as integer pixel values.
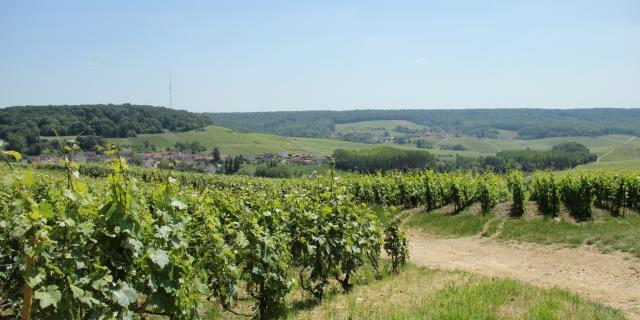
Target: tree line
(561, 156)
(529, 123)
(382, 158)
(22, 126)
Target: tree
(16, 142)
(216, 155)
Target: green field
(235, 142)
(378, 127)
(605, 232)
(427, 293)
(614, 150)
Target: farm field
(234, 142)
(620, 151)
(241, 238)
(378, 127)
(303, 160)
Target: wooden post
(27, 295)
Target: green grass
(377, 127)
(234, 142)
(427, 293)
(607, 233)
(618, 150)
(625, 154)
(444, 224)
(492, 227)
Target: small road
(611, 279)
(614, 148)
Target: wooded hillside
(529, 123)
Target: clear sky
(300, 55)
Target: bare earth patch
(612, 279)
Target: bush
(546, 192)
(578, 195)
(518, 189)
(395, 245)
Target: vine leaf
(34, 278)
(159, 257)
(178, 204)
(125, 295)
(50, 297)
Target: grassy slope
(377, 127)
(235, 142)
(425, 293)
(420, 293)
(605, 232)
(618, 151)
(623, 153)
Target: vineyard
(118, 242)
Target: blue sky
(301, 55)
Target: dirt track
(611, 279)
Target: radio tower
(170, 98)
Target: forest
(22, 126)
(529, 123)
(560, 157)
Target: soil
(612, 279)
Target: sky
(228, 56)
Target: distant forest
(529, 123)
(21, 127)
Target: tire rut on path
(611, 279)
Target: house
(149, 163)
(186, 158)
(209, 167)
(203, 158)
(319, 159)
(267, 156)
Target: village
(203, 161)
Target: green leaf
(178, 204)
(34, 278)
(14, 154)
(77, 292)
(102, 282)
(124, 296)
(50, 297)
(135, 245)
(46, 211)
(159, 257)
(85, 228)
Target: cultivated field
(619, 151)
(153, 242)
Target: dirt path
(610, 279)
(612, 149)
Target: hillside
(22, 126)
(528, 123)
(613, 150)
(236, 142)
